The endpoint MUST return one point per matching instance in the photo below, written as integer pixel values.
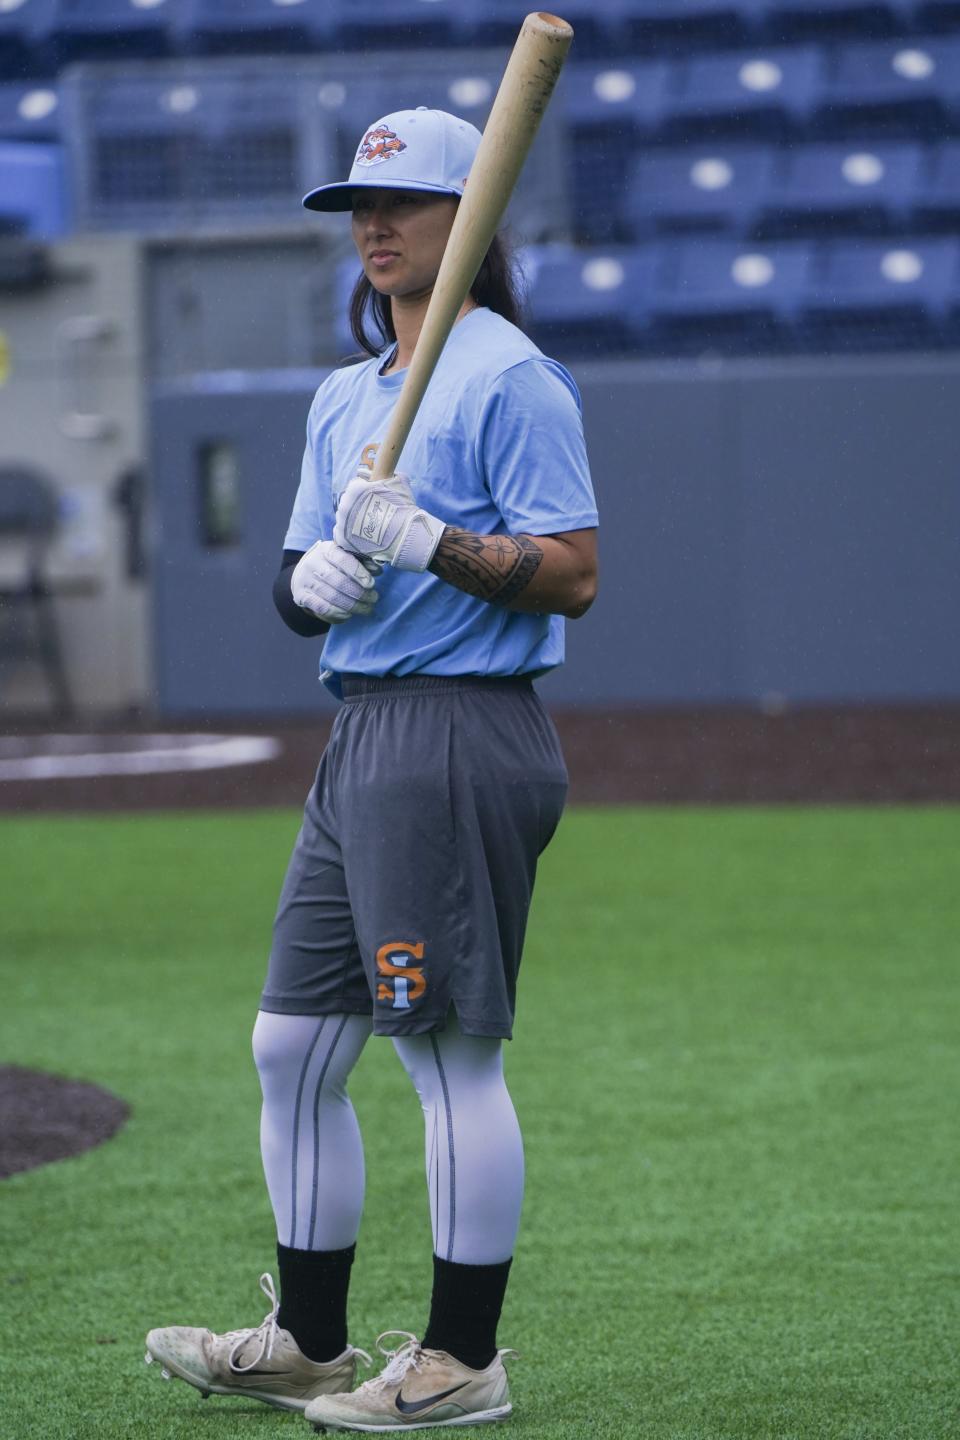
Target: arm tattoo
(495, 568)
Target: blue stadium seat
(845, 189)
(937, 15)
(623, 97)
(408, 24)
(24, 30)
(694, 24)
(32, 191)
(833, 19)
(112, 29)
(875, 295)
(903, 87)
(938, 206)
(608, 109)
(715, 187)
(29, 110)
(222, 27)
(735, 297)
(765, 91)
(598, 25)
(587, 302)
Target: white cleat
(264, 1363)
(417, 1390)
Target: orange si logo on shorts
(402, 982)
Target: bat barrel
(528, 82)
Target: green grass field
(735, 1068)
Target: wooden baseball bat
(525, 89)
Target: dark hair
(496, 286)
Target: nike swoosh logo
(413, 1407)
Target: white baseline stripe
(214, 752)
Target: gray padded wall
(773, 529)
(220, 646)
(786, 529)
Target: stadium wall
(773, 533)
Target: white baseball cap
(409, 150)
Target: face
(400, 237)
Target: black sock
(313, 1299)
(465, 1310)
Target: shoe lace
(266, 1332)
(405, 1357)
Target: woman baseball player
(441, 595)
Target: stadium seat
(875, 295)
(32, 190)
(607, 110)
(739, 298)
(937, 15)
(653, 25)
(112, 29)
(223, 27)
(717, 187)
(905, 87)
(793, 20)
(767, 92)
(598, 25)
(29, 523)
(938, 205)
(408, 24)
(587, 302)
(844, 189)
(29, 111)
(24, 31)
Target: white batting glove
(382, 521)
(332, 584)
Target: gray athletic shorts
(410, 882)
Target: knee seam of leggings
(316, 1130)
(296, 1130)
(452, 1200)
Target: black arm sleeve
(298, 619)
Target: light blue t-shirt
(497, 447)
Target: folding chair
(29, 515)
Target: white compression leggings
(313, 1155)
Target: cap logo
(379, 144)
